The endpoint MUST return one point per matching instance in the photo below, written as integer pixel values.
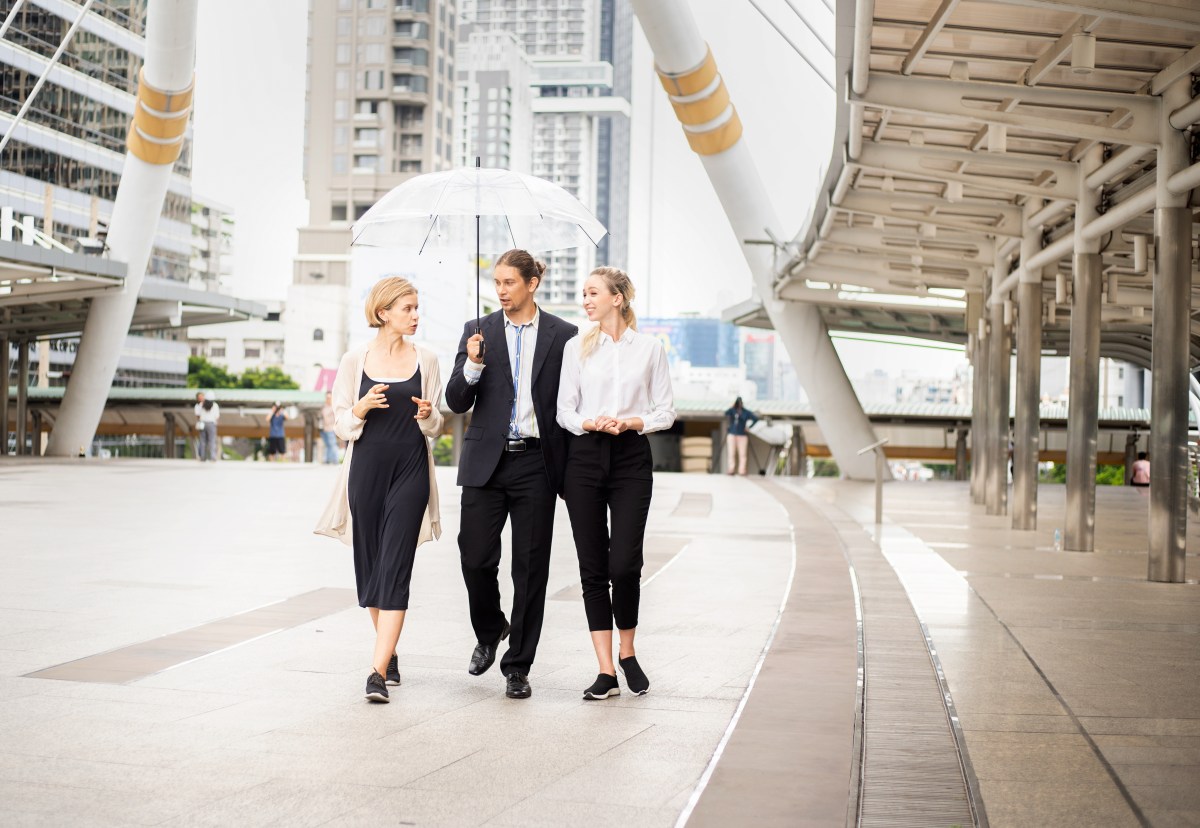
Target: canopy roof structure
(961, 126)
(47, 293)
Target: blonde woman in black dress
(385, 402)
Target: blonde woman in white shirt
(615, 389)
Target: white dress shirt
(621, 379)
(524, 424)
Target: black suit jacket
(492, 398)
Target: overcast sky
(249, 135)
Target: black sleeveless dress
(388, 492)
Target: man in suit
(512, 463)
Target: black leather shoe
(517, 686)
(485, 654)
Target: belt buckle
(515, 445)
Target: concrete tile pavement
(274, 730)
(1049, 655)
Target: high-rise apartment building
(59, 175)
(581, 52)
(380, 109)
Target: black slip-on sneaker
(393, 671)
(639, 685)
(376, 688)
(604, 687)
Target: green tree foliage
(1105, 475)
(269, 377)
(203, 374)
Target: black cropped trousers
(609, 483)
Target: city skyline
(695, 264)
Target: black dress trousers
(518, 487)
(609, 474)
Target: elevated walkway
(204, 663)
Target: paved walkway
(1065, 694)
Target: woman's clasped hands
(607, 424)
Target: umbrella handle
(482, 343)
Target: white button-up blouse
(621, 379)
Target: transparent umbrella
(480, 208)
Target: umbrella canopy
(437, 211)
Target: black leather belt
(524, 444)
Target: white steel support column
(999, 370)
(22, 429)
(1027, 424)
(714, 131)
(4, 372)
(979, 387)
(1083, 409)
(1169, 354)
(155, 139)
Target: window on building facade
(338, 211)
(409, 83)
(410, 56)
(371, 53)
(371, 80)
(342, 53)
(343, 26)
(253, 352)
(339, 163)
(341, 110)
(341, 80)
(410, 166)
(412, 28)
(216, 351)
(366, 163)
(318, 335)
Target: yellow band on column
(716, 140)
(694, 113)
(699, 96)
(691, 81)
(160, 120)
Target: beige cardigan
(335, 520)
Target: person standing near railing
(738, 418)
(208, 413)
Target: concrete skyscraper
(581, 52)
(380, 107)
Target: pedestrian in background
(327, 433)
(615, 389)
(738, 418)
(385, 502)
(276, 435)
(208, 413)
(1141, 470)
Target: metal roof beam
(913, 161)
(871, 205)
(959, 209)
(878, 240)
(926, 38)
(944, 98)
(1137, 11)
(1057, 51)
(1185, 65)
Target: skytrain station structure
(1014, 176)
